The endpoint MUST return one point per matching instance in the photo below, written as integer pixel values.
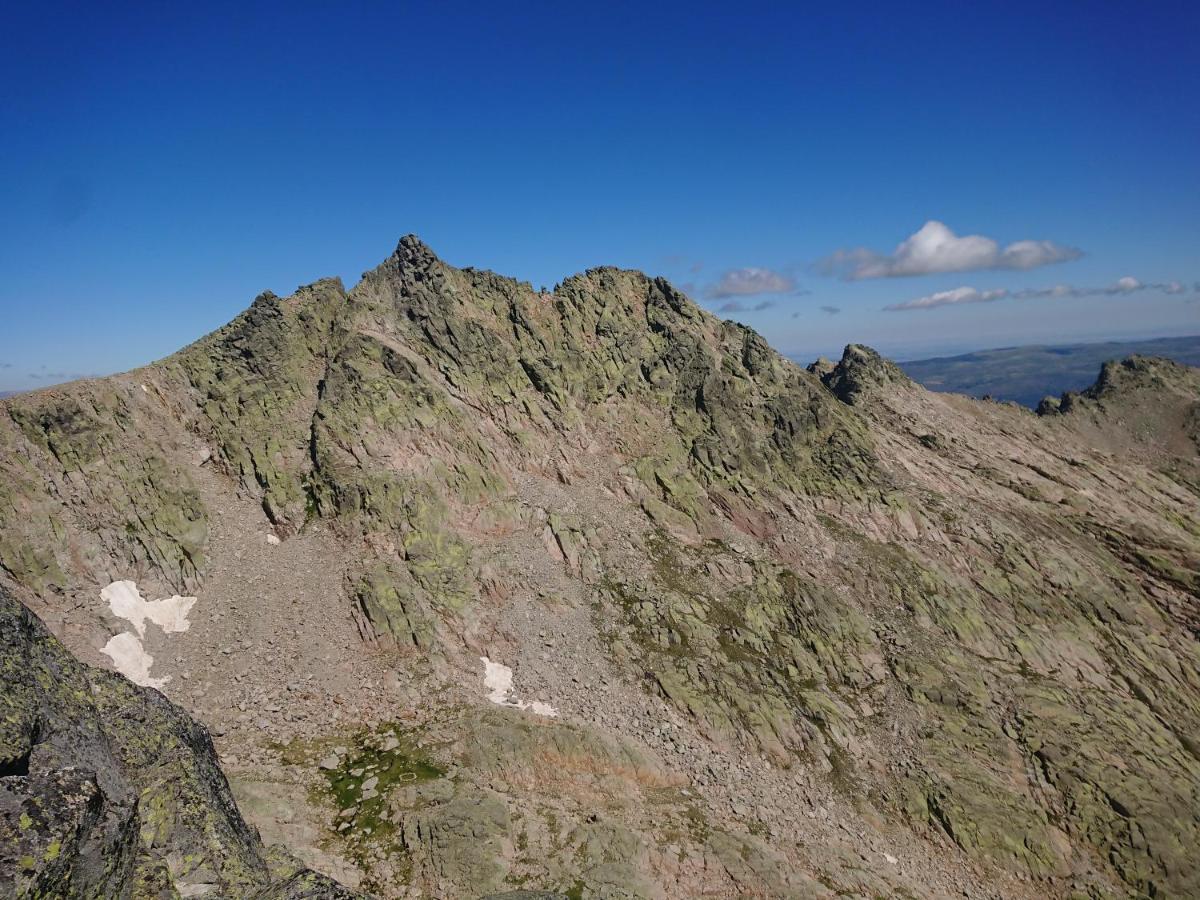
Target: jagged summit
(859, 370)
(785, 620)
(1136, 373)
(411, 253)
(1125, 378)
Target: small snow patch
(125, 600)
(273, 540)
(131, 660)
(498, 679)
(125, 649)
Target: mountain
(1028, 374)
(481, 589)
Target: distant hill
(9, 393)
(1027, 374)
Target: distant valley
(1027, 374)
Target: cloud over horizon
(935, 249)
(750, 281)
(735, 306)
(965, 295)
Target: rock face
(109, 790)
(808, 633)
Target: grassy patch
(388, 754)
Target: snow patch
(498, 679)
(125, 649)
(125, 600)
(131, 660)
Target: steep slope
(109, 790)
(804, 632)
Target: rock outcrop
(110, 790)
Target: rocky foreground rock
(109, 790)
(806, 633)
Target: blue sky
(163, 164)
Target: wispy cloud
(748, 282)
(736, 306)
(831, 310)
(4, 365)
(954, 297)
(680, 261)
(60, 376)
(965, 295)
(935, 248)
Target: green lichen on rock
(770, 655)
(112, 493)
(256, 382)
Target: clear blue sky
(162, 164)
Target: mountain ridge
(748, 589)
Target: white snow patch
(125, 649)
(273, 540)
(125, 600)
(131, 660)
(498, 679)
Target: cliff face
(805, 632)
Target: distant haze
(1027, 374)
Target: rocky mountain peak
(1130, 380)
(859, 371)
(1136, 372)
(412, 251)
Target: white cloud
(750, 281)
(963, 295)
(955, 297)
(935, 248)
